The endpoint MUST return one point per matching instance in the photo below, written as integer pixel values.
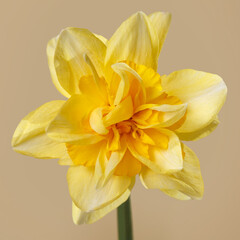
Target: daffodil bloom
(121, 118)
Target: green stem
(125, 221)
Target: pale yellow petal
(193, 136)
(160, 22)
(102, 38)
(135, 40)
(30, 137)
(96, 121)
(72, 122)
(81, 217)
(82, 188)
(65, 161)
(70, 66)
(204, 93)
(51, 47)
(100, 166)
(185, 184)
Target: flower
(121, 118)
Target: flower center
(125, 126)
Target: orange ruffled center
(128, 117)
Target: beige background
(34, 200)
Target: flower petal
(135, 40)
(96, 121)
(167, 156)
(121, 112)
(65, 161)
(205, 94)
(193, 136)
(102, 38)
(164, 157)
(82, 188)
(72, 122)
(151, 81)
(81, 217)
(131, 84)
(70, 66)
(115, 158)
(185, 184)
(51, 47)
(161, 22)
(155, 116)
(30, 137)
(128, 166)
(84, 154)
(107, 161)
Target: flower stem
(125, 221)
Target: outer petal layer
(205, 94)
(69, 63)
(193, 136)
(161, 22)
(80, 217)
(183, 185)
(51, 47)
(82, 188)
(30, 137)
(135, 40)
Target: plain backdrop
(34, 199)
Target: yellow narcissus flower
(121, 118)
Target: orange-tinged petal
(84, 154)
(30, 137)
(129, 166)
(113, 140)
(183, 185)
(149, 78)
(151, 81)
